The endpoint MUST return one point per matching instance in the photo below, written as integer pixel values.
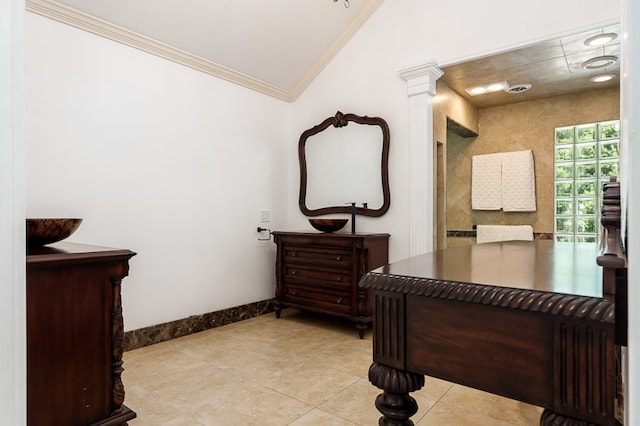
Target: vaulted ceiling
(278, 47)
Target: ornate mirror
(344, 160)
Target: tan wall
(516, 127)
(447, 103)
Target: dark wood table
(525, 320)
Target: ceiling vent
(518, 88)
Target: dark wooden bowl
(49, 230)
(328, 225)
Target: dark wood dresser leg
(550, 418)
(394, 402)
(362, 327)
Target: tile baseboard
(472, 234)
(146, 336)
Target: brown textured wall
(516, 127)
(447, 104)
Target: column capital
(422, 78)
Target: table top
(542, 265)
(66, 251)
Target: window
(585, 156)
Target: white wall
(364, 77)
(157, 158)
(13, 319)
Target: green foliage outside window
(564, 172)
(564, 154)
(580, 173)
(586, 170)
(564, 135)
(586, 239)
(564, 189)
(586, 134)
(610, 130)
(586, 152)
(587, 207)
(564, 207)
(610, 169)
(610, 150)
(585, 189)
(586, 225)
(564, 225)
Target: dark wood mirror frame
(338, 121)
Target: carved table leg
(550, 418)
(394, 403)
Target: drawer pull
(293, 253)
(339, 300)
(338, 258)
(294, 271)
(294, 292)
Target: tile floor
(297, 370)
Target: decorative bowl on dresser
(320, 272)
(328, 225)
(44, 231)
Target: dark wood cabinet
(319, 272)
(74, 335)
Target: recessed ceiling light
(600, 39)
(599, 62)
(602, 78)
(476, 90)
(487, 88)
(496, 86)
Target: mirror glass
(344, 160)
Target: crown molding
(83, 21)
(86, 22)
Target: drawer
(321, 256)
(296, 273)
(318, 240)
(334, 301)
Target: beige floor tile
(246, 403)
(317, 417)
(309, 382)
(298, 370)
(506, 410)
(444, 414)
(357, 402)
(180, 420)
(351, 355)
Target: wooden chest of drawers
(319, 272)
(74, 335)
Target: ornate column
(421, 87)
